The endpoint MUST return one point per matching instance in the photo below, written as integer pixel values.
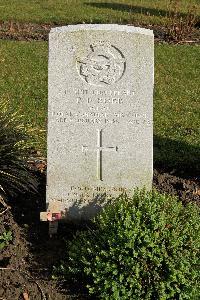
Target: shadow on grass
(132, 9)
(181, 157)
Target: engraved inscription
(102, 107)
(104, 65)
(88, 193)
(99, 150)
(102, 117)
(102, 93)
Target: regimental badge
(104, 65)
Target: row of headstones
(100, 114)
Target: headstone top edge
(108, 27)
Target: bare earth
(32, 31)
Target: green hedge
(144, 247)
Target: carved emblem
(104, 64)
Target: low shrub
(144, 247)
(5, 239)
(14, 175)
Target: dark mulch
(26, 264)
(187, 188)
(10, 30)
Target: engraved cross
(99, 149)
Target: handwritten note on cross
(99, 149)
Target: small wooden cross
(99, 149)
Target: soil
(31, 31)
(26, 263)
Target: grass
(23, 81)
(87, 11)
(177, 92)
(177, 107)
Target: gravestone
(100, 111)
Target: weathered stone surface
(100, 112)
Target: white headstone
(100, 112)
